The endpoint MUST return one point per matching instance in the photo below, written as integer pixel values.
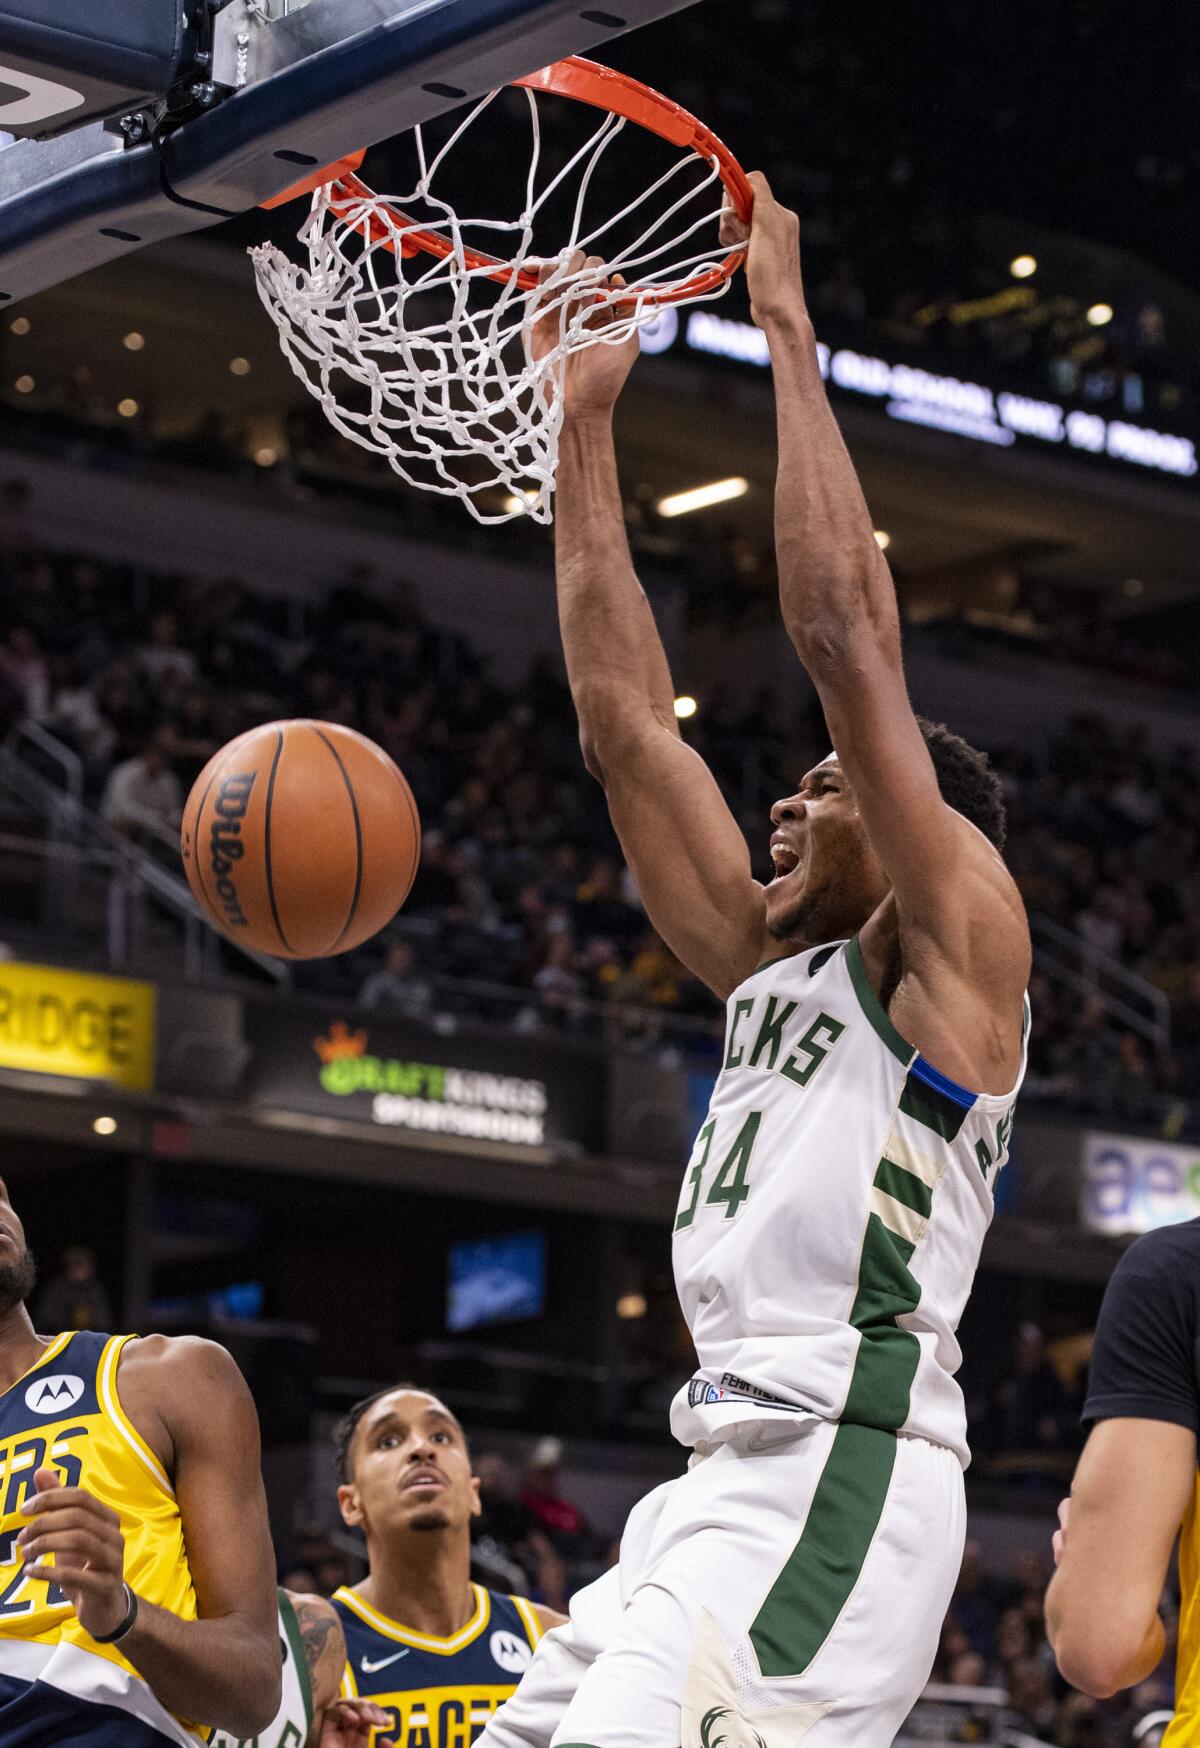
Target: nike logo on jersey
(369, 1668)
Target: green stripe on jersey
(925, 1104)
(886, 1364)
(810, 1593)
(871, 1005)
(291, 1626)
(893, 1180)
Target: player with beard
(436, 1652)
(137, 1602)
(793, 1582)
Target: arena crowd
(521, 888)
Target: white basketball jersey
(832, 1213)
(293, 1720)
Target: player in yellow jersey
(136, 1574)
(1136, 1485)
(437, 1653)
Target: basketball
(300, 839)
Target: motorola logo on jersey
(510, 1652)
(54, 1395)
(25, 99)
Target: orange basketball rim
(585, 82)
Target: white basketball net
(428, 361)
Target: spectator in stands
(398, 986)
(564, 1523)
(142, 797)
(23, 661)
(74, 1298)
(76, 718)
(1031, 1696)
(974, 1604)
(161, 658)
(194, 739)
(16, 521)
(1030, 1407)
(502, 1535)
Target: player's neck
(422, 1581)
(20, 1347)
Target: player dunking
(435, 1652)
(136, 1587)
(792, 1584)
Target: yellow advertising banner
(77, 1023)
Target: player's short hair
(348, 1425)
(966, 780)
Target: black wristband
(126, 1625)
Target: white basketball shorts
(790, 1586)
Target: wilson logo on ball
(225, 840)
(300, 839)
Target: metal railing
(76, 852)
(92, 882)
(948, 1714)
(1072, 960)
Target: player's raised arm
(951, 889)
(687, 854)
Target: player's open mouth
(425, 1478)
(784, 857)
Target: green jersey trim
(872, 1007)
(291, 1627)
(803, 1605)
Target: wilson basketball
(300, 839)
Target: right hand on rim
(593, 376)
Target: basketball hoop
(417, 341)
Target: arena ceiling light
(105, 1125)
(718, 491)
(1023, 267)
(685, 706)
(1100, 315)
(882, 539)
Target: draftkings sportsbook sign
(401, 1075)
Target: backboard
(290, 87)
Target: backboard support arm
(301, 90)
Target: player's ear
(476, 1502)
(348, 1505)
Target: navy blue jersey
(440, 1692)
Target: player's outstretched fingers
(735, 231)
(601, 288)
(549, 300)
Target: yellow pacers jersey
(1184, 1731)
(440, 1692)
(65, 1414)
